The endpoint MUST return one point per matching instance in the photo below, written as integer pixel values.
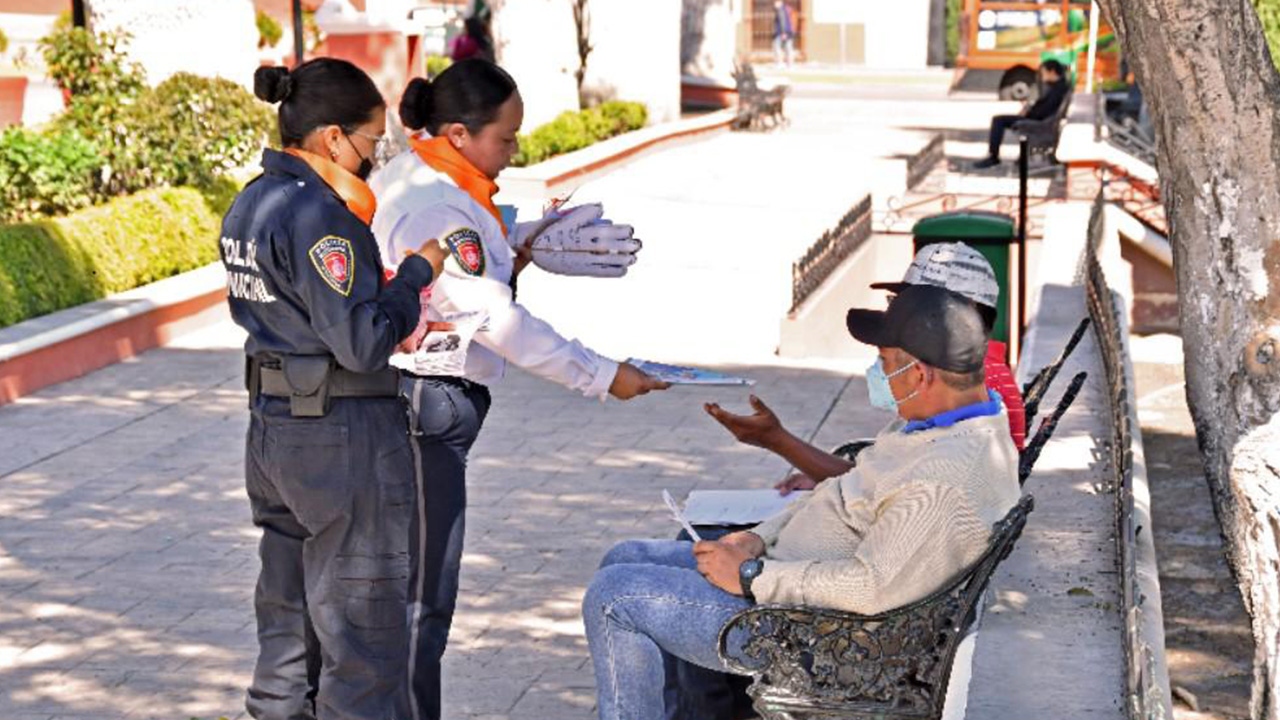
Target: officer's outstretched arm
(338, 274)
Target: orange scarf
(443, 157)
(359, 198)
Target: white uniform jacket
(416, 204)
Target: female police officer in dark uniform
(328, 465)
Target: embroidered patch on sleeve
(335, 262)
(465, 245)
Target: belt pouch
(308, 378)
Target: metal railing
(825, 255)
(1144, 694)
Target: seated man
(1053, 74)
(915, 512)
(954, 266)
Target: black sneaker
(986, 162)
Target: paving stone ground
(127, 558)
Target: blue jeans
(647, 606)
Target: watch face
(751, 568)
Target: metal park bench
(1042, 135)
(810, 663)
(758, 108)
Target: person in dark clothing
(328, 465)
(1053, 75)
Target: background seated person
(1053, 75)
(954, 266)
(915, 512)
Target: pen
(675, 510)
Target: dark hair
(479, 31)
(469, 92)
(1056, 67)
(319, 92)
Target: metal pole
(1023, 158)
(1093, 44)
(299, 45)
(78, 17)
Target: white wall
(210, 38)
(897, 34)
(709, 38)
(637, 54)
(537, 44)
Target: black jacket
(1047, 105)
(304, 275)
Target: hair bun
(416, 103)
(272, 84)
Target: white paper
(444, 352)
(737, 507)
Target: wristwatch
(749, 570)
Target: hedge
(575, 130)
(58, 263)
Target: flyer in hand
(681, 375)
(444, 352)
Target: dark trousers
(999, 124)
(445, 417)
(334, 498)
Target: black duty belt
(309, 381)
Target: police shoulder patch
(464, 244)
(335, 261)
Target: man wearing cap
(957, 267)
(916, 511)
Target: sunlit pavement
(127, 559)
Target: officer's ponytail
(319, 92)
(468, 92)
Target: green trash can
(990, 233)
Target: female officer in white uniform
(465, 124)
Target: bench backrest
(824, 663)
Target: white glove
(582, 242)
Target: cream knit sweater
(916, 510)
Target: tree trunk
(1214, 93)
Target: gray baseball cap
(954, 266)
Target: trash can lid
(965, 224)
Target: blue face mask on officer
(879, 390)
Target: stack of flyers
(444, 352)
(680, 375)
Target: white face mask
(879, 390)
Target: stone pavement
(127, 559)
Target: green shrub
(269, 31)
(100, 78)
(575, 130)
(954, 10)
(45, 174)
(436, 64)
(54, 264)
(4, 42)
(189, 130)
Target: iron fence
(826, 254)
(1144, 692)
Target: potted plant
(13, 89)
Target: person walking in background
(464, 125)
(784, 33)
(476, 41)
(1053, 74)
(328, 466)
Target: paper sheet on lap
(736, 507)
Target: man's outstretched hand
(761, 428)
(719, 561)
(795, 481)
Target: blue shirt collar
(951, 417)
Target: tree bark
(1214, 93)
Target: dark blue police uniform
(328, 464)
